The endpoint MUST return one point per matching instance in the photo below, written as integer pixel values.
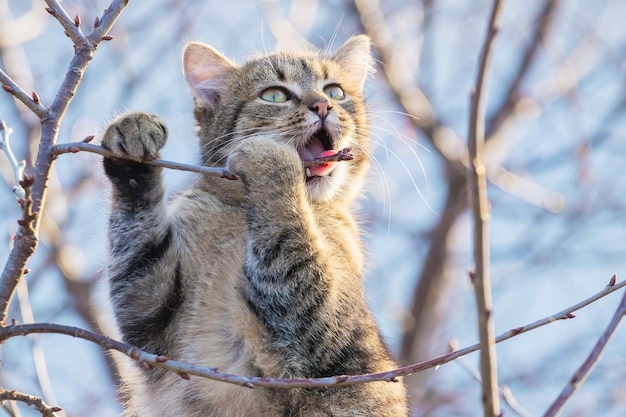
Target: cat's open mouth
(319, 145)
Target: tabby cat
(260, 276)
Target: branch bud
(96, 23)
(27, 181)
(36, 97)
(88, 139)
(7, 88)
(77, 21)
(51, 11)
(107, 38)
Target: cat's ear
(354, 56)
(207, 72)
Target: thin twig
(480, 210)
(71, 26)
(545, 17)
(185, 370)
(74, 147)
(18, 168)
(11, 87)
(581, 373)
(39, 404)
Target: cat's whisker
(329, 46)
(401, 113)
(412, 150)
(382, 176)
(407, 170)
(234, 140)
(259, 116)
(254, 130)
(406, 140)
(395, 131)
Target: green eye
(335, 92)
(274, 95)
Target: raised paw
(137, 135)
(262, 159)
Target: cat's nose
(321, 107)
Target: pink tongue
(325, 168)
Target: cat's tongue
(325, 168)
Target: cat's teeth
(308, 171)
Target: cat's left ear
(207, 72)
(354, 56)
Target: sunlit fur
(261, 276)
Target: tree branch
(581, 374)
(185, 370)
(480, 210)
(545, 17)
(32, 102)
(72, 27)
(39, 404)
(51, 122)
(74, 147)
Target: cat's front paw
(265, 161)
(137, 135)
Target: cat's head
(309, 101)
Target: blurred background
(555, 163)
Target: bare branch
(71, 26)
(74, 147)
(24, 247)
(11, 87)
(480, 210)
(545, 17)
(39, 404)
(581, 374)
(186, 370)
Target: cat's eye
(275, 95)
(335, 92)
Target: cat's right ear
(207, 72)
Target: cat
(260, 276)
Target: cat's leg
(294, 286)
(144, 275)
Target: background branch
(39, 404)
(581, 374)
(18, 168)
